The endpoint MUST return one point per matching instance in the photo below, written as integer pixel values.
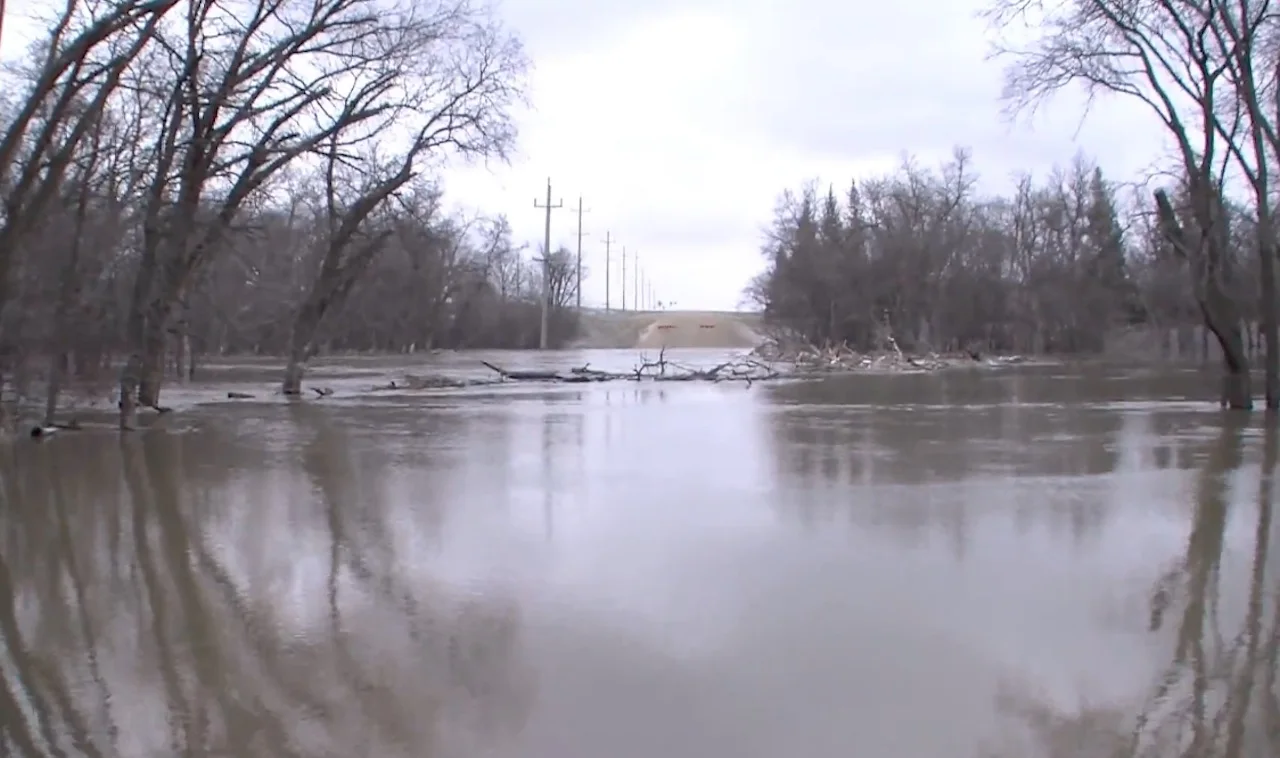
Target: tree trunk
(151, 377)
(1271, 354)
(1204, 254)
(130, 378)
(301, 339)
(143, 371)
(57, 372)
(68, 296)
(180, 351)
(1222, 318)
(293, 372)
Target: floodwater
(1025, 561)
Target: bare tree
(77, 68)
(278, 81)
(249, 176)
(1192, 64)
(919, 257)
(562, 275)
(458, 74)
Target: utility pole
(608, 240)
(580, 211)
(635, 281)
(546, 264)
(624, 278)
(641, 295)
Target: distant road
(674, 329)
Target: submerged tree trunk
(184, 360)
(295, 368)
(68, 294)
(143, 371)
(332, 286)
(130, 375)
(301, 343)
(151, 378)
(1267, 311)
(1219, 312)
(293, 371)
(53, 388)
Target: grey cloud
(855, 81)
(659, 230)
(549, 27)
(687, 229)
(840, 91)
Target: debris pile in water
(832, 358)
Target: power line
(580, 211)
(546, 264)
(608, 240)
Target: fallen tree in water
(738, 369)
(744, 368)
(767, 362)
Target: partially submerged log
(535, 376)
(415, 383)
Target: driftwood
(48, 430)
(414, 382)
(767, 362)
(805, 358)
(741, 369)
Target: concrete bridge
(674, 329)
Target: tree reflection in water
(1218, 696)
(128, 630)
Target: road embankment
(653, 330)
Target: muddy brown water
(1039, 560)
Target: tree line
(923, 256)
(255, 176)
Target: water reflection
(170, 594)
(692, 570)
(899, 457)
(1215, 610)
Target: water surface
(1011, 562)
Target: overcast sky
(680, 123)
